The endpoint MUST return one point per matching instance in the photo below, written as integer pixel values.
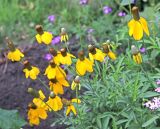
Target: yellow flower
(30, 71)
(83, 64)
(56, 85)
(55, 103)
(76, 83)
(70, 106)
(64, 35)
(35, 113)
(108, 52)
(15, 55)
(53, 71)
(43, 36)
(39, 102)
(65, 58)
(137, 25)
(95, 54)
(136, 55)
(55, 54)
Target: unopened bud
(134, 50)
(32, 105)
(77, 79)
(63, 30)
(51, 94)
(33, 92)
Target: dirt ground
(14, 85)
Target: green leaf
(10, 119)
(150, 121)
(149, 94)
(126, 2)
(99, 123)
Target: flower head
(153, 104)
(48, 56)
(142, 50)
(76, 83)
(107, 9)
(108, 52)
(158, 82)
(56, 40)
(56, 85)
(70, 106)
(83, 64)
(136, 54)
(30, 71)
(121, 14)
(65, 58)
(83, 2)
(53, 71)
(95, 54)
(137, 25)
(35, 114)
(54, 103)
(51, 18)
(64, 35)
(14, 54)
(43, 36)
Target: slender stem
(43, 83)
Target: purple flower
(157, 89)
(158, 82)
(56, 40)
(83, 2)
(107, 9)
(90, 30)
(153, 104)
(48, 56)
(142, 50)
(121, 14)
(51, 18)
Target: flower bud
(32, 105)
(77, 79)
(33, 92)
(63, 31)
(134, 50)
(51, 94)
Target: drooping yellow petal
(73, 85)
(138, 31)
(63, 81)
(81, 67)
(76, 101)
(73, 109)
(111, 55)
(89, 65)
(58, 89)
(38, 38)
(131, 26)
(41, 95)
(137, 58)
(46, 38)
(144, 25)
(42, 113)
(59, 102)
(68, 110)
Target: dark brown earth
(14, 85)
